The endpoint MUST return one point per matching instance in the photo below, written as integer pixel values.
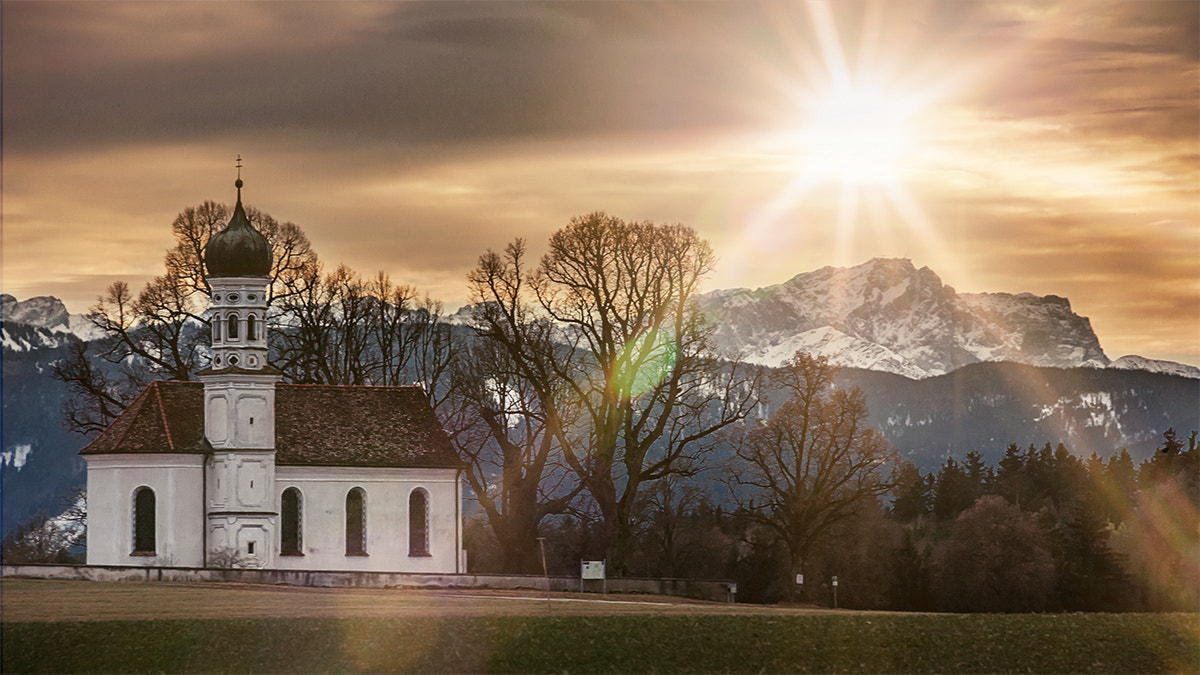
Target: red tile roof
(315, 425)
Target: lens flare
(644, 362)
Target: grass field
(132, 627)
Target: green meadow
(688, 643)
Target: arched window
(291, 541)
(250, 327)
(356, 522)
(418, 523)
(233, 327)
(143, 521)
(216, 329)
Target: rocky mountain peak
(888, 315)
(43, 312)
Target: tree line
(592, 409)
(1042, 530)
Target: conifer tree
(911, 494)
(954, 493)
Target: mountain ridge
(49, 316)
(887, 315)
(884, 314)
(981, 406)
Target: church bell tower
(239, 398)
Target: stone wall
(718, 591)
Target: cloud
(417, 73)
(1059, 143)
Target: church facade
(241, 470)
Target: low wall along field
(82, 626)
(721, 591)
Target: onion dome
(239, 250)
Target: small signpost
(835, 591)
(545, 573)
(592, 569)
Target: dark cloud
(423, 73)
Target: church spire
(238, 261)
(239, 250)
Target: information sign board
(591, 569)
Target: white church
(242, 470)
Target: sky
(1041, 147)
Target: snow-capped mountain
(49, 319)
(43, 312)
(1135, 362)
(886, 315)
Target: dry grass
(23, 600)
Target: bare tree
(42, 539)
(507, 416)
(669, 541)
(324, 336)
(73, 518)
(162, 331)
(98, 394)
(340, 329)
(291, 253)
(813, 463)
(607, 325)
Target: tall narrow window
(216, 330)
(356, 522)
(418, 523)
(289, 511)
(233, 327)
(250, 328)
(143, 521)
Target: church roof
(315, 425)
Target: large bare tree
(813, 463)
(507, 414)
(607, 330)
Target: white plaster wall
(242, 507)
(323, 518)
(242, 481)
(232, 536)
(239, 411)
(178, 501)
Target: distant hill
(39, 460)
(986, 406)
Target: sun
(854, 147)
(857, 135)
